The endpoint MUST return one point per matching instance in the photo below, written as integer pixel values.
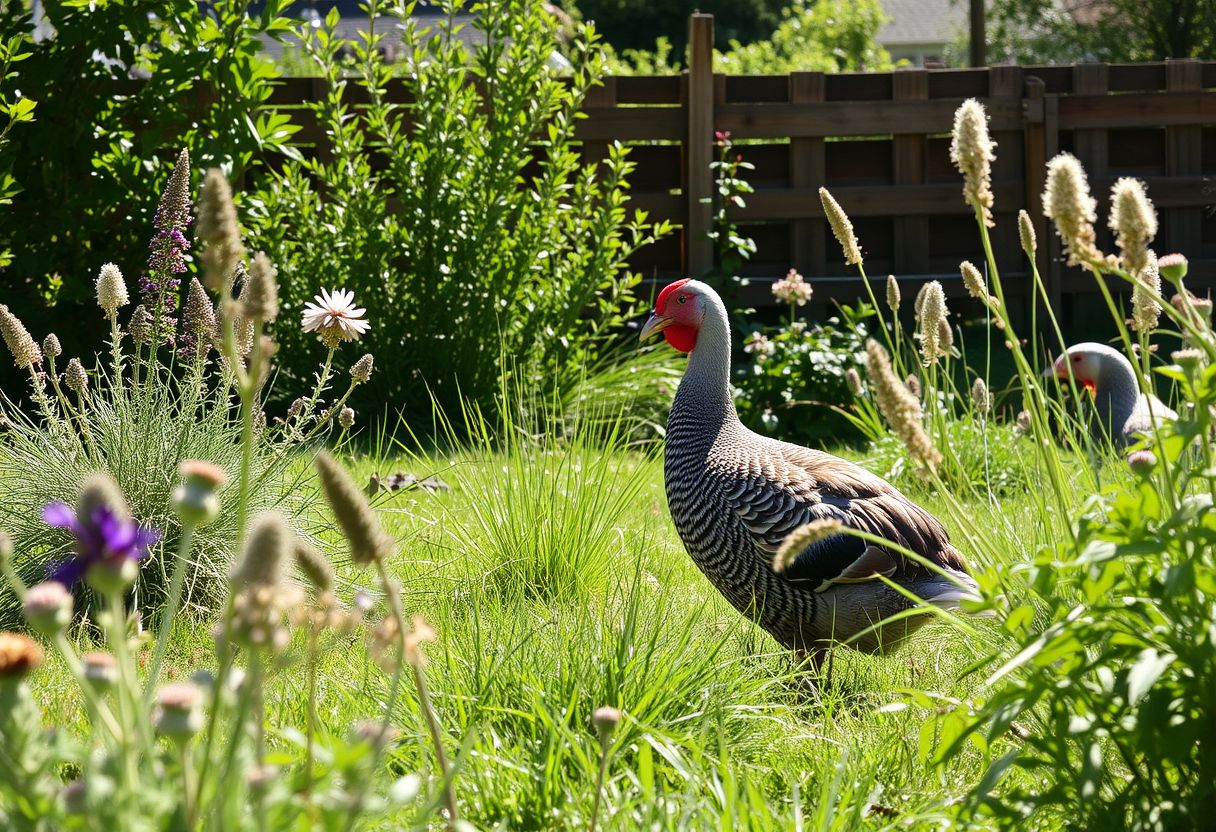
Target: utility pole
(979, 56)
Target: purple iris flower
(104, 538)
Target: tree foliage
(635, 24)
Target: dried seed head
(18, 340)
(140, 325)
(361, 370)
(1026, 233)
(1023, 424)
(296, 408)
(48, 608)
(267, 549)
(19, 654)
(797, 541)
(1134, 221)
(261, 616)
(368, 540)
(111, 290)
(346, 418)
(841, 227)
(1066, 200)
(981, 399)
(313, 564)
(853, 379)
(218, 228)
(974, 281)
(51, 346)
(260, 298)
(933, 314)
(1145, 309)
(893, 298)
(913, 383)
(973, 151)
(75, 377)
(420, 633)
(899, 407)
(199, 318)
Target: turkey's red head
(677, 314)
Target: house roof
(922, 21)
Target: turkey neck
(1117, 395)
(704, 392)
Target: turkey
(735, 496)
(1124, 411)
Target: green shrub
(465, 218)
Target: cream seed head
(1026, 234)
(1067, 202)
(111, 290)
(1134, 221)
(899, 407)
(1146, 312)
(974, 281)
(18, 340)
(893, 295)
(981, 399)
(935, 335)
(797, 541)
(841, 227)
(973, 152)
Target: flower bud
(361, 370)
(1172, 267)
(48, 608)
(140, 325)
(178, 715)
(18, 340)
(346, 418)
(100, 671)
(605, 721)
(75, 377)
(1142, 463)
(196, 500)
(19, 654)
(51, 346)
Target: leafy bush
(466, 216)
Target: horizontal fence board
(768, 121)
(1137, 109)
(868, 201)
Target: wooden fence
(880, 143)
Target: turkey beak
(654, 326)
(1056, 370)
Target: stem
(128, 715)
(105, 715)
(432, 721)
(176, 582)
(188, 786)
(599, 786)
(311, 717)
(311, 402)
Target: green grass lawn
(557, 584)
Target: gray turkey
(735, 496)
(1124, 412)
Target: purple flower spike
(105, 539)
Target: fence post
(807, 172)
(699, 146)
(911, 232)
(1183, 157)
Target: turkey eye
(1076, 359)
(681, 299)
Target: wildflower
(361, 370)
(974, 281)
(797, 327)
(346, 418)
(219, 229)
(419, 634)
(48, 608)
(973, 151)
(368, 540)
(797, 541)
(1142, 463)
(140, 325)
(75, 377)
(196, 501)
(853, 379)
(100, 671)
(981, 399)
(893, 298)
(1145, 309)
(260, 298)
(111, 290)
(198, 321)
(759, 345)
(18, 340)
(605, 720)
(167, 251)
(178, 712)
(334, 317)
(1026, 233)
(109, 544)
(841, 227)
(1134, 221)
(1022, 425)
(1190, 360)
(899, 407)
(315, 566)
(1067, 202)
(1199, 311)
(19, 654)
(932, 320)
(51, 346)
(1172, 267)
(792, 289)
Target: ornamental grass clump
(168, 391)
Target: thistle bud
(75, 377)
(140, 325)
(18, 340)
(368, 540)
(841, 227)
(48, 608)
(1026, 233)
(111, 290)
(1172, 267)
(196, 501)
(100, 671)
(1142, 463)
(605, 721)
(178, 713)
(346, 418)
(51, 346)
(1190, 360)
(361, 370)
(19, 654)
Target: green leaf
(1145, 672)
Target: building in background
(923, 32)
